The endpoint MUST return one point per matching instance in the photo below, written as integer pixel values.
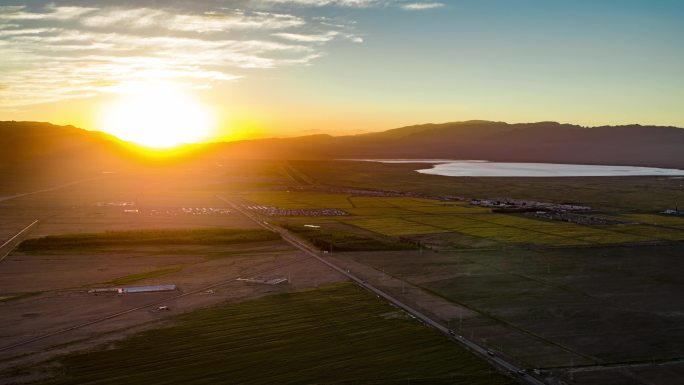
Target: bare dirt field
(42, 293)
(56, 297)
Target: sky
(266, 68)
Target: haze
(295, 67)
(381, 192)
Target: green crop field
(656, 219)
(448, 209)
(299, 200)
(379, 211)
(667, 234)
(407, 216)
(392, 226)
(404, 202)
(145, 237)
(333, 239)
(335, 335)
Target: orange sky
(300, 67)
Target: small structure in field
(134, 289)
(264, 281)
(674, 212)
(146, 289)
(104, 290)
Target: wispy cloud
(338, 3)
(52, 53)
(421, 6)
(49, 12)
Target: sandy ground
(46, 294)
(61, 283)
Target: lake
(481, 168)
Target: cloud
(140, 18)
(322, 38)
(417, 6)
(338, 3)
(421, 6)
(53, 53)
(209, 22)
(49, 12)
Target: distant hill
(22, 142)
(60, 149)
(495, 141)
(38, 155)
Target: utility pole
(572, 373)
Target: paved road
(8, 246)
(485, 353)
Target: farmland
(415, 217)
(330, 238)
(611, 193)
(560, 297)
(130, 230)
(337, 334)
(550, 308)
(145, 237)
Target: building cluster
(574, 218)
(280, 212)
(115, 204)
(526, 205)
(204, 211)
(360, 192)
(191, 211)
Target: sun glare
(158, 117)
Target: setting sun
(157, 116)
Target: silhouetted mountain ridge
(662, 146)
(496, 141)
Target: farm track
(9, 243)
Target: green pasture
(405, 216)
(336, 335)
(662, 220)
(145, 237)
(392, 226)
(299, 200)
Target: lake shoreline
(483, 168)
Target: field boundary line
(482, 352)
(9, 241)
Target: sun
(157, 116)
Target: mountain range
(35, 145)
(484, 140)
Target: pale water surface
(508, 169)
